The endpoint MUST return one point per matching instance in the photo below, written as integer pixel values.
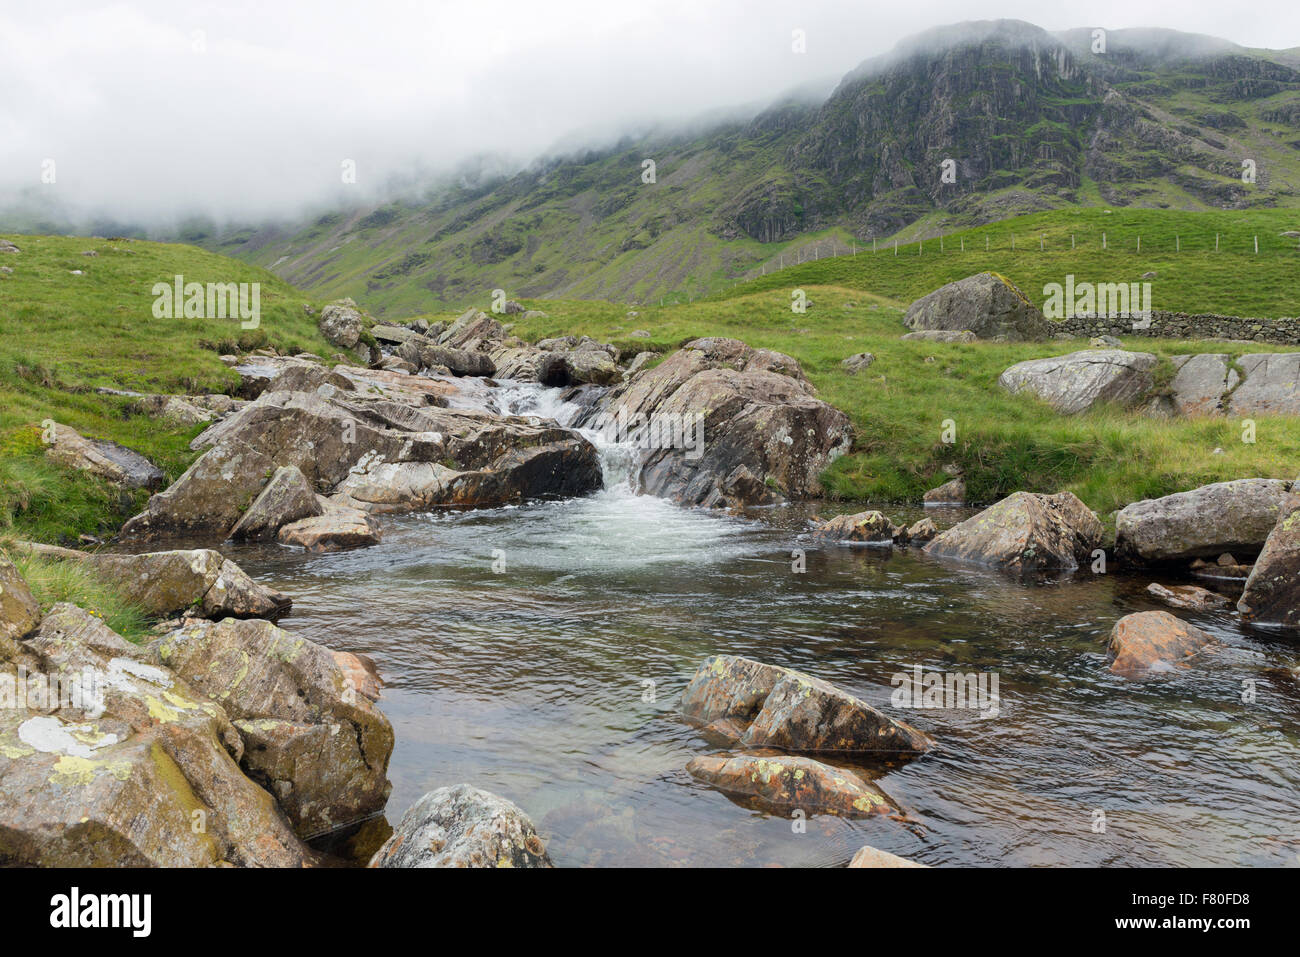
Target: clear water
(528, 679)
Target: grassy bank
(62, 335)
(53, 581)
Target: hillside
(62, 335)
(1032, 122)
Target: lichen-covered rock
(1076, 382)
(1201, 523)
(1271, 387)
(462, 826)
(1191, 597)
(783, 783)
(922, 531)
(754, 705)
(199, 581)
(1201, 383)
(312, 738)
(112, 462)
(986, 304)
(141, 772)
(864, 528)
(1153, 642)
(873, 857)
(1272, 594)
(287, 497)
(952, 492)
(1025, 533)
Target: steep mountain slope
(1027, 121)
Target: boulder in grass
(783, 783)
(856, 363)
(20, 613)
(112, 462)
(1025, 533)
(463, 826)
(754, 705)
(1154, 642)
(342, 324)
(1074, 383)
(985, 304)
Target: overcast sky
(150, 109)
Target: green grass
(62, 335)
(53, 581)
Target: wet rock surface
(1153, 642)
(1024, 533)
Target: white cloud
(144, 127)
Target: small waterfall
(620, 460)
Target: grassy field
(62, 335)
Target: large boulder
(750, 433)
(462, 826)
(1204, 522)
(1153, 642)
(130, 767)
(1272, 594)
(342, 323)
(1025, 533)
(473, 329)
(1076, 382)
(286, 498)
(112, 462)
(754, 705)
(783, 783)
(313, 738)
(1271, 387)
(194, 581)
(986, 304)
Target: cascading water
(620, 456)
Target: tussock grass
(53, 581)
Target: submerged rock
(1026, 533)
(314, 739)
(753, 705)
(143, 774)
(1191, 597)
(865, 528)
(1272, 594)
(112, 462)
(873, 857)
(1151, 642)
(1076, 382)
(462, 826)
(985, 304)
(782, 783)
(1201, 523)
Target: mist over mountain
(960, 125)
